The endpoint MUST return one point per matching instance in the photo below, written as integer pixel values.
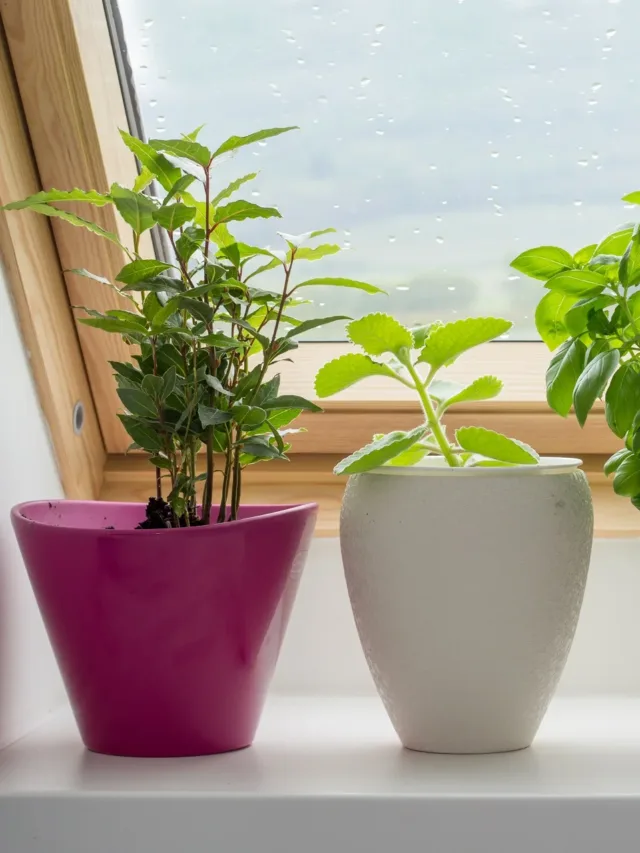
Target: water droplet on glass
(376, 44)
(440, 240)
(361, 97)
(279, 95)
(402, 287)
(161, 119)
(380, 132)
(513, 278)
(607, 49)
(495, 154)
(531, 66)
(583, 162)
(577, 203)
(365, 81)
(451, 287)
(610, 33)
(507, 98)
(592, 102)
(153, 102)
(392, 239)
(517, 119)
(300, 61)
(161, 129)
(148, 23)
(262, 143)
(322, 99)
(438, 219)
(379, 27)
(255, 193)
(367, 201)
(143, 67)
(315, 8)
(596, 86)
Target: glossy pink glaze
(166, 639)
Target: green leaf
(260, 448)
(613, 462)
(214, 382)
(143, 434)
(290, 401)
(380, 451)
(577, 282)
(446, 343)
(78, 221)
(280, 418)
(249, 417)
(627, 477)
(143, 180)
(197, 308)
(141, 270)
(629, 271)
(307, 325)
(236, 211)
(543, 262)
(189, 242)
(577, 316)
(46, 196)
(378, 334)
(584, 255)
(86, 274)
(346, 370)
(220, 341)
(442, 389)
(593, 381)
(211, 417)
(128, 371)
(233, 187)
(137, 209)
(152, 385)
(151, 306)
(483, 388)
(157, 284)
(169, 382)
(174, 216)
(550, 314)
(622, 400)
(409, 457)
(185, 148)
(113, 324)
(615, 243)
(340, 282)
(562, 374)
(235, 142)
(180, 186)
(494, 445)
(138, 402)
(166, 173)
(632, 198)
(314, 253)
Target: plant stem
(228, 464)
(430, 414)
(207, 497)
(235, 493)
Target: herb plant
(206, 334)
(414, 357)
(589, 318)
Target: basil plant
(206, 335)
(589, 317)
(415, 357)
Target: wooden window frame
(63, 98)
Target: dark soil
(158, 516)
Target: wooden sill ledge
(309, 477)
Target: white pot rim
(436, 466)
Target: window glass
(440, 137)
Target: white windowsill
(329, 775)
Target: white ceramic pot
(466, 586)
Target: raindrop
(610, 33)
(279, 95)
(440, 240)
(451, 287)
(361, 97)
(547, 122)
(577, 203)
(144, 42)
(367, 201)
(300, 61)
(513, 278)
(315, 8)
(517, 119)
(379, 28)
(143, 67)
(390, 120)
(416, 230)
(376, 44)
(213, 48)
(433, 167)
(583, 162)
(380, 132)
(546, 13)
(495, 187)
(595, 156)
(438, 219)
(345, 245)
(322, 99)
(531, 66)
(255, 193)
(507, 98)
(596, 86)
(148, 23)
(161, 119)
(592, 102)
(273, 85)
(365, 81)
(153, 102)
(262, 143)
(392, 239)
(336, 207)
(161, 129)
(495, 154)
(402, 287)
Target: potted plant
(167, 620)
(465, 557)
(589, 317)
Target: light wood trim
(38, 290)
(67, 77)
(310, 478)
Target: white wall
(29, 683)
(322, 654)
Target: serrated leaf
(140, 270)
(622, 400)
(78, 221)
(340, 282)
(45, 196)
(378, 334)
(626, 481)
(172, 216)
(494, 445)
(346, 370)
(235, 142)
(137, 209)
(421, 333)
(236, 211)
(549, 317)
(409, 457)
(616, 242)
(614, 462)
(562, 374)
(446, 343)
(184, 148)
(181, 185)
(150, 159)
(143, 180)
(442, 389)
(138, 402)
(290, 401)
(231, 188)
(543, 262)
(593, 381)
(577, 282)
(483, 388)
(380, 451)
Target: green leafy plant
(414, 357)
(589, 318)
(207, 336)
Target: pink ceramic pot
(166, 639)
